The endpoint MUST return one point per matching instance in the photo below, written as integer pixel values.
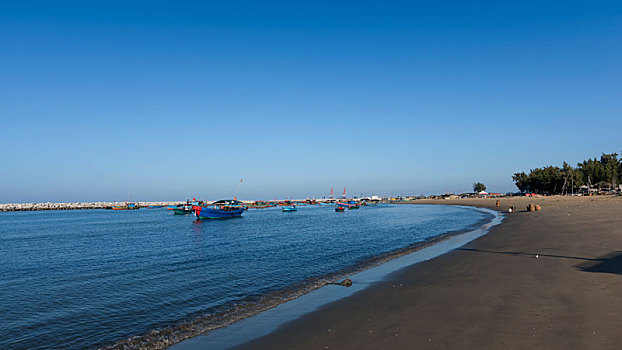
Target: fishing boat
(340, 209)
(182, 210)
(154, 206)
(260, 205)
(222, 209)
(345, 203)
(126, 206)
(288, 209)
(350, 205)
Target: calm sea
(95, 278)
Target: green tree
(572, 177)
(610, 165)
(478, 187)
(546, 180)
(604, 172)
(521, 180)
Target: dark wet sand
(492, 293)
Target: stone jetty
(73, 206)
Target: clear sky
(165, 100)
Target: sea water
(99, 278)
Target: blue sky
(156, 100)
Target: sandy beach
(547, 280)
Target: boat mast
(235, 198)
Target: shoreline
(308, 300)
(518, 286)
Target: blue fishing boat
(349, 205)
(287, 209)
(222, 209)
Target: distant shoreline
(473, 201)
(74, 205)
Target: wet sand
(546, 280)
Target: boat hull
(181, 211)
(124, 208)
(217, 213)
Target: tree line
(603, 173)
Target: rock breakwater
(74, 206)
